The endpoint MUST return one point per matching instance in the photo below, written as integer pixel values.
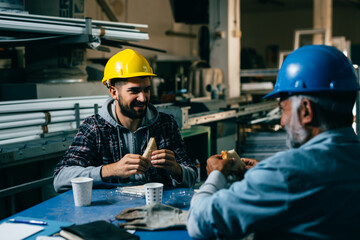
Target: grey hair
(331, 105)
(329, 114)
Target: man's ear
(306, 112)
(113, 92)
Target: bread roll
(232, 154)
(150, 148)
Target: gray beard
(296, 134)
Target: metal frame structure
(299, 33)
(282, 56)
(357, 104)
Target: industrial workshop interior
(214, 62)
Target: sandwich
(232, 154)
(151, 146)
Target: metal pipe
(27, 116)
(45, 106)
(119, 35)
(22, 123)
(73, 20)
(20, 132)
(71, 30)
(20, 139)
(99, 97)
(69, 118)
(41, 121)
(80, 24)
(57, 127)
(88, 111)
(66, 121)
(20, 117)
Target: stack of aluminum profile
(262, 145)
(20, 22)
(29, 120)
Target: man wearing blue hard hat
(311, 191)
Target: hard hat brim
(132, 75)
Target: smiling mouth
(139, 106)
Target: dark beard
(130, 111)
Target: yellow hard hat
(126, 64)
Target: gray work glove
(153, 217)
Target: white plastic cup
(82, 188)
(153, 193)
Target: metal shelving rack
(268, 72)
(77, 30)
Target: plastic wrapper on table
(180, 198)
(119, 195)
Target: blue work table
(105, 205)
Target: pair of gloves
(153, 217)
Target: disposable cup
(153, 193)
(82, 188)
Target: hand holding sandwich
(129, 165)
(225, 166)
(165, 159)
(228, 163)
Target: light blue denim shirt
(309, 192)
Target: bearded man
(109, 146)
(311, 191)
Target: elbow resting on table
(58, 187)
(62, 180)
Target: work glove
(153, 217)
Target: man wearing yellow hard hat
(109, 146)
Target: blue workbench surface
(105, 205)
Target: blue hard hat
(315, 69)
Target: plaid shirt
(97, 143)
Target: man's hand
(129, 165)
(165, 159)
(249, 162)
(225, 166)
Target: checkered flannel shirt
(96, 143)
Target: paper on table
(16, 231)
(53, 226)
(70, 235)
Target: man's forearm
(106, 171)
(62, 180)
(215, 181)
(198, 224)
